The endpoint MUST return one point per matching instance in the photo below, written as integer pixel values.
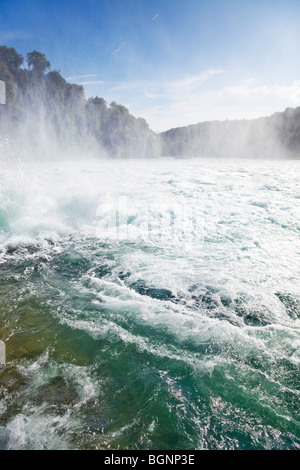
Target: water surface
(150, 304)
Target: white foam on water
(36, 430)
(219, 239)
(40, 427)
(44, 369)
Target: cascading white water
(150, 304)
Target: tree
(56, 84)
(74, 95)
(97, 101)
(119, 108)
(37, 62)
(10, 57)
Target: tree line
(44, 110)
(49, 116)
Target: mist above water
(49, 118)
(273, 137)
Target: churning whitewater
(150, 304)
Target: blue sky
(173, 62)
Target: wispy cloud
(155, 17)
(118, 49)
(190, 83)
(172, 101)
(240, 101)
(196, 98)
(79, 77)
(12, 35)
(168, 90)
(84, 79)
(91, 82)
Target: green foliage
(10, 57)
(43, 103)
(97, 102)
(37, 62)
(55, 82)
(275, 136)
(40, 103)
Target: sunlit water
(150, 304)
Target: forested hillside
(275, 136)
(49, 116)
(46, 113)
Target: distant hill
(48, 116)
(275, 136)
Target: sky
(172, 62)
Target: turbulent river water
(150, 304)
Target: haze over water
(150, 304)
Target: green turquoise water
(150, 305)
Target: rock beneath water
(28, 249)
(153, 292)
(124, 275)
(161, 294)
(205, 301)
(252, 317)
(57, 393)
(102, 270)
(291, 303)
